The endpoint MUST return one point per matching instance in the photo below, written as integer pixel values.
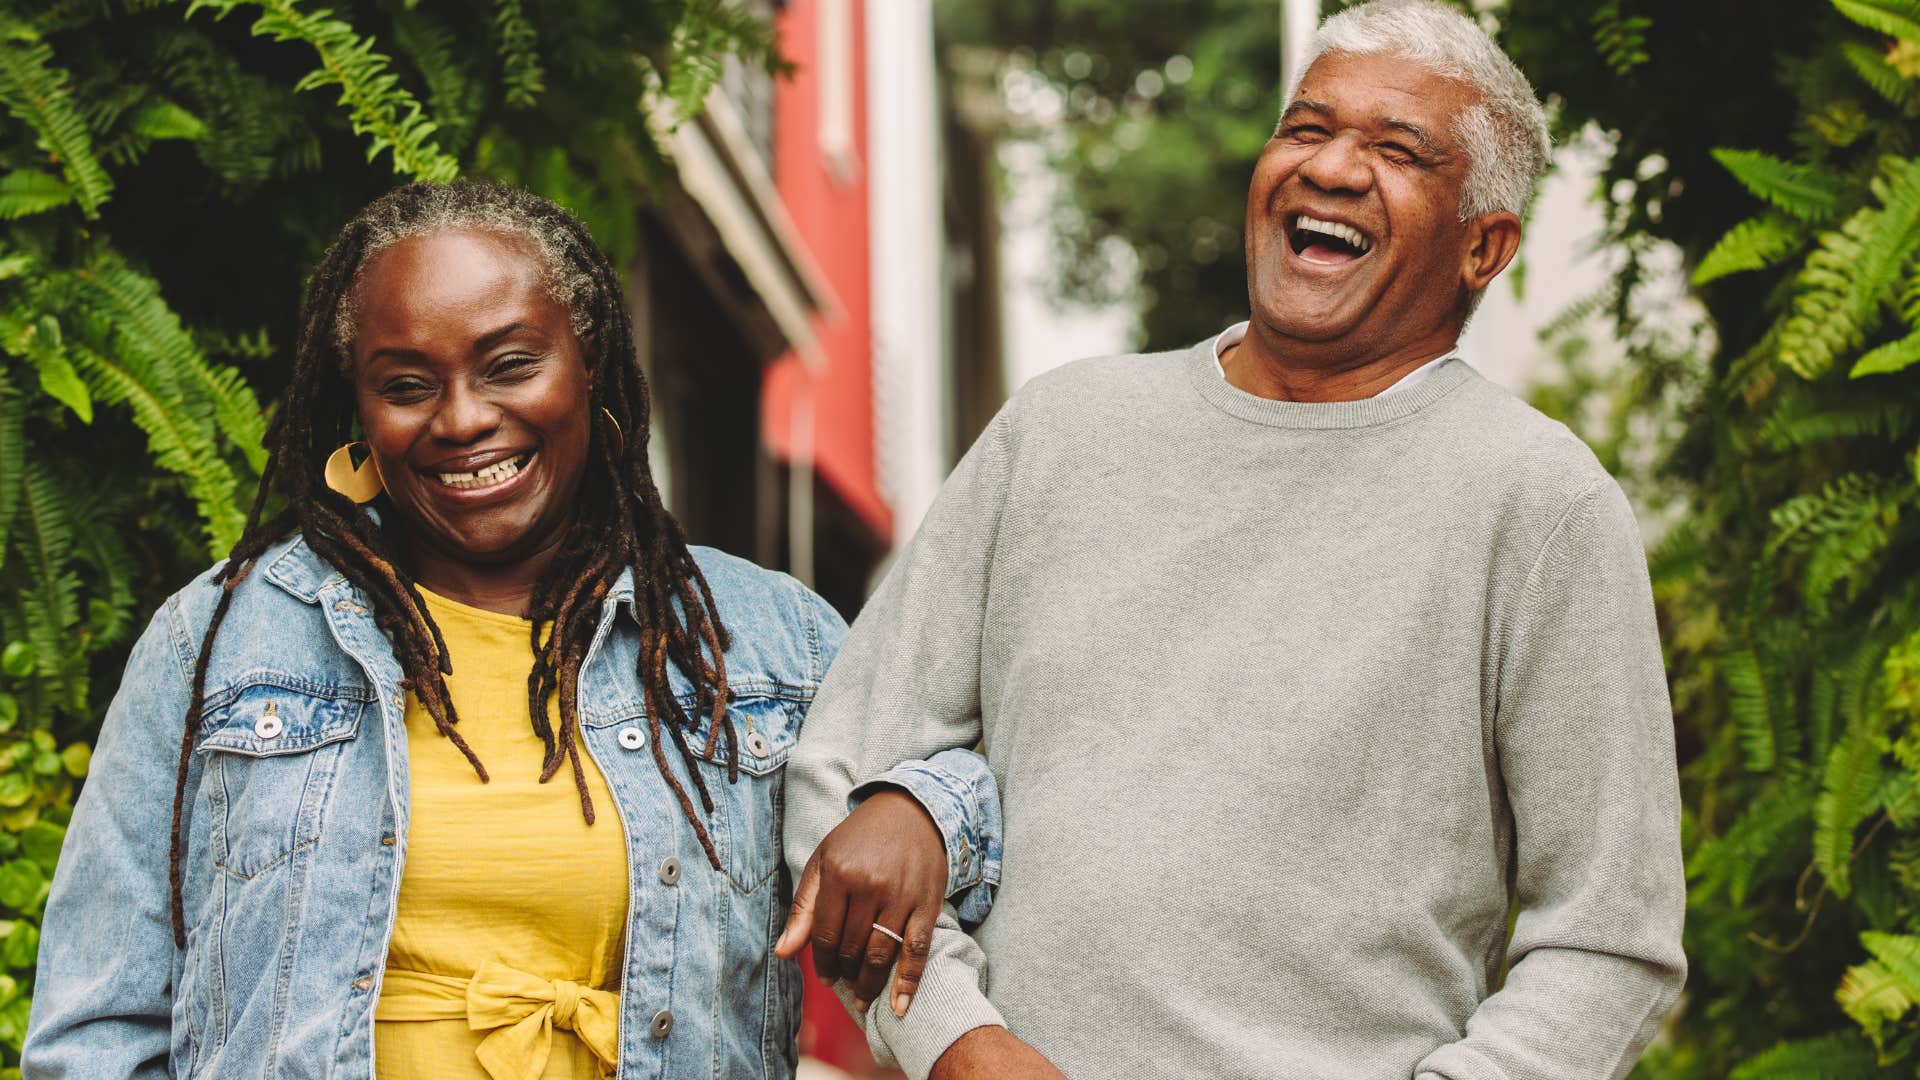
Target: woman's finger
(829, 916)
(883, 944)
(913, 956)
(862, 912)
(800, 915)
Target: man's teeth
(1344, 233)
(492, 474)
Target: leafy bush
(167, 173)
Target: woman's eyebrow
(493, 337)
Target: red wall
(831, 216)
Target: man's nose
(464, 416)
(1338, 164)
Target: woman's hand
(885, 866)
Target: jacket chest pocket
(745, 823)
(272, 750)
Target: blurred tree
(168, 173)
(1155, 123)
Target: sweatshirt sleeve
(1584, 737)
(906, 686)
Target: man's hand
(885, 866)
(992, 1053)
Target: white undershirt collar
(1232, 335)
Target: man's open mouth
(498, 473)
(1327, 242)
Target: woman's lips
(496, 475)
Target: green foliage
(1805, 191)
(1620, 39)
(166, 181)
(1160, 120)
(1789, 589)
(1834, 1057)
(38, 94)
(384, 113)
(1754, 244)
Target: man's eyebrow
(1300, 105)
(1417, 133)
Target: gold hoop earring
(361, 485)
(618, 438)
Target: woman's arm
(923, 832)
(103, 994)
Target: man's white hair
(1505, 134)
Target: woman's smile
(479, 479)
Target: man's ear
(1493, 239)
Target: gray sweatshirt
(1291, 705)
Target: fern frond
(708, 30)
(1807, 192)
(1840, 1056)
(1851, 538)
(1764, 830)
(454, 96)
(1621, 40)
(165, 120)
(1851, 777)
(1872, 67)
(40, 342)
(1747, 705)
(1753, 244)
(41, 96)
(1844, 283)
(13, 457)
(1803, 513)
(30, 191)
(518, 44)
(50, 600)
(378, 107)
(132, 303)
(1893, 18)
(178, 444)
(1889, 358)
(1799, 422)
(1886, 987)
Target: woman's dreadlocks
(621, 521)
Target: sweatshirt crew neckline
(1367, 412)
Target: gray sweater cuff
(949, 1004)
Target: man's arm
(1584, 737)
(906, 686)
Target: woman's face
(472, 392)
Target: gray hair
(481, 207)
(1505, 133)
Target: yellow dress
(506, 954)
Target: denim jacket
(296, 833)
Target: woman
(376, 684)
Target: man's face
(1354, 239)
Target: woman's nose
(464, 417)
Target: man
(1303, 658)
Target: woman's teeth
(499, 472)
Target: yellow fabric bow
(525, 1009)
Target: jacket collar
(300, 571)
